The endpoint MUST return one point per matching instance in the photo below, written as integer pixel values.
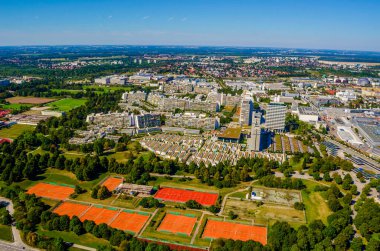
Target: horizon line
(183, 45)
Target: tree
(149, 202)
(299, 206)
(98, 147)
(59, 244)
(193, 204)
(79, 190)
(373, 245)
(232, 215)
(104, 193)
(94, 192)
(357, 244)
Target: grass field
(66, 104)
(14, 131)
(6, 233)
(248, 210)
(14, 106)
(86, 239)
(315, 203)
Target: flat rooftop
(231, 133)
(305, 110)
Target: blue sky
(322, 24)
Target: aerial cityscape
(197, 125)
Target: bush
(299, 206)
(149, 202)
(104, 193)
(193, 204)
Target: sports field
(50, 191)
(132, 222)
(29, 100)
(124, 220)
(112, 182)
(221, 229)
(67, 104)
(177, 224)
(99, 215)
(14, 131)
(70, 209)
(181, 195)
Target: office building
(275, 117)
(254, 142)
(246, 112)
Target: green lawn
(86, 239)
(66, 104)
(14, 106)
(240, 195)
(6, 233)
(61, 177)
(14, 131)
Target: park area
(182, 195)
(228, 230)
(126, 220)
(51, 191)
(177, 224)
(29, 100)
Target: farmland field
(29, 100)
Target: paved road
(173, 176)
(17, 244)
(84, 247)
(226, 197)
(355, 153)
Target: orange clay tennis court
(177, 224)
(111, 183)
(99, 215)
(132, 222)
(228, 230)
(70, 209)
(51, 191)
(181, 195)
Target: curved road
(17, 244)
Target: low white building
(346, 95)
(306, 114)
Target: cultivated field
(29, 100)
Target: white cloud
(146, 17)
(170, 19)
(184, 19)
(110, 17)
